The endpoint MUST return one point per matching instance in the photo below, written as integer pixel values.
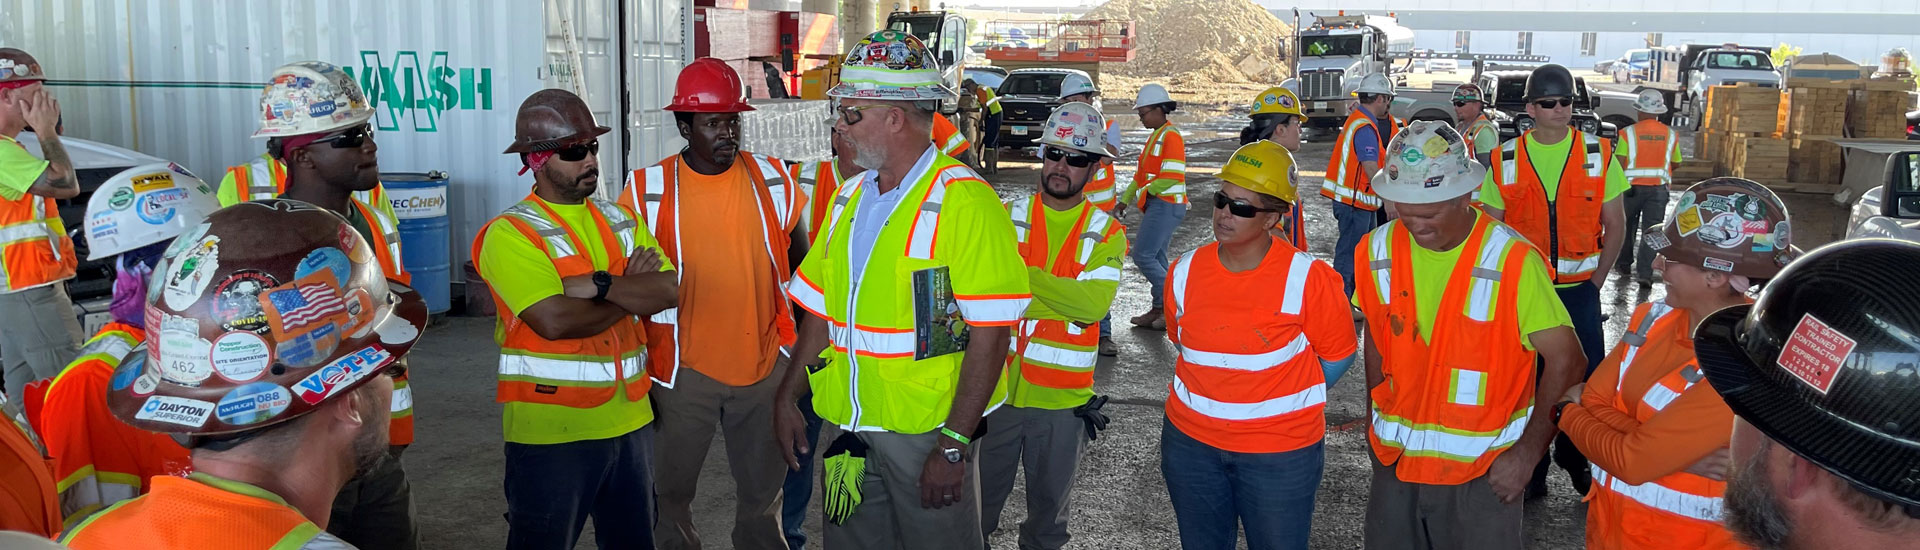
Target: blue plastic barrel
(420, 201)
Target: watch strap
(964, 440)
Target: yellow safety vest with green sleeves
(1050, 365)
(948, 218)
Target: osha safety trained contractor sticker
(1815, 352)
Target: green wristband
(956, 436)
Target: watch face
(953, 455)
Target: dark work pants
(1583, 306)
(553, 489)
(375, 511)
(799, 487)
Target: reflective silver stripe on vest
(1659, 497)
(558, 245)
(260, 185)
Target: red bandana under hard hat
(536, 160)
(296, 142)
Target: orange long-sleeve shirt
(1691, 427)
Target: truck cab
(1891, 210)
(945, 34)
(1336, 52)
(1027, 98)
(1684, 73)
(1509, 87)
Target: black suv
(1027, 98)
(1509, 86)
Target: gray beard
(870, 157)
(1752, 513)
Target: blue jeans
(799, 488)
(1157, 222)
(1354, 225)
(552, 489)
(1269, 494)
(990, 136)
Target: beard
(1072, 189)
(870, 157)
(370, 445)
(1753, 514)
(576, 188)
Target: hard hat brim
(736, 107)
(551, 144)
(1661, 111)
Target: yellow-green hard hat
(1277, 101)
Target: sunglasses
(852, 114)
(578, 152)
(1553, 103)
(395, 370)
(350, 139)
(1461, 103)
(1238, 208)
(1076, 160)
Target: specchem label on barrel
(417, 203)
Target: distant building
(1579, 34)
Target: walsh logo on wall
(409, 92)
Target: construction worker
(820, 183)
(1657, 440)
(1073, 254)
(1159, 190)
(1650, 150)
(1458, 307)
(1560, 189)
(1262, 329)
(99, 460)
(1355, 163)
(905, 392)
(1100, 191)
(329, 157)
(714, 356)
(952, 142)
(573, 275)
(989, 126)
(39, 333)
(1471, 120)
(1819, 375)
(277, 419)
(1276, 117)
(28, 502)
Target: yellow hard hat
(1266, 168)
(1277, 101)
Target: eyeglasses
(350, 139)
(395, 370)
(1461, 103)
(851, 114)
(1238, 208)
(1076, 160)
(1553, 103)
(579, 151)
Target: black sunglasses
(578, 152)
(350, 139)
(1459, 103)
(1553, 103)
(1076, 160)
(1238, 208)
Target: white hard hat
(310, 97)
(1152, 94)
(145, 205)
(1375, 83)
(1292, 85)
(1650, 102)
(1076, 126)
(1427, 162)
(1075, 84)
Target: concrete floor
(1120, 500)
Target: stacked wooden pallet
(1814, 114)
(1879, 113)
(1762, 159)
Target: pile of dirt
(1200, 47)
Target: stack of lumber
(1744, 108)
(1814, 114)
(1879, 114)
(1762, 159)
(1691, 171)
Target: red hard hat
(708, 86)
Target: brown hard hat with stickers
(258, 315)
(1730, 225)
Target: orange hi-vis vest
(1101, 191)
(654, 192)
(820, 181)
(1447, 408)
(266, 177)
(1243, 390)
(99, 460)
(951, 140)
(1677, 511)
(1163, 158)
(34, 252)
(1474, 129)
(1056, 358)
(1566, 225)
(201, 511)
(1650, 147)
(581, 372)
(1345, 183)
(27, 499)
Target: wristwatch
(953, 455)
(1559, 408)
(602, 281)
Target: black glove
(1090, 413)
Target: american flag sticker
(304, 305)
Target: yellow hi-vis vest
(947, 218)
(266, 177)
(1054, 359)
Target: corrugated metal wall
(180, 79)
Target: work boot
(992, 161)
(1107, 349)
(1154, 319)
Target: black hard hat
(1549, 81)
(1827, 363)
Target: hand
(40, 109)
(1510, 473)
(1713, 466)
(579, 286)
(1119, 209)
(941, 481)
(789, 430)
(1573, 393)
(643, 260)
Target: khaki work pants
(890, 515)
(1415, 516)
(687, 416)
(39, 335)
(1048, 443)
